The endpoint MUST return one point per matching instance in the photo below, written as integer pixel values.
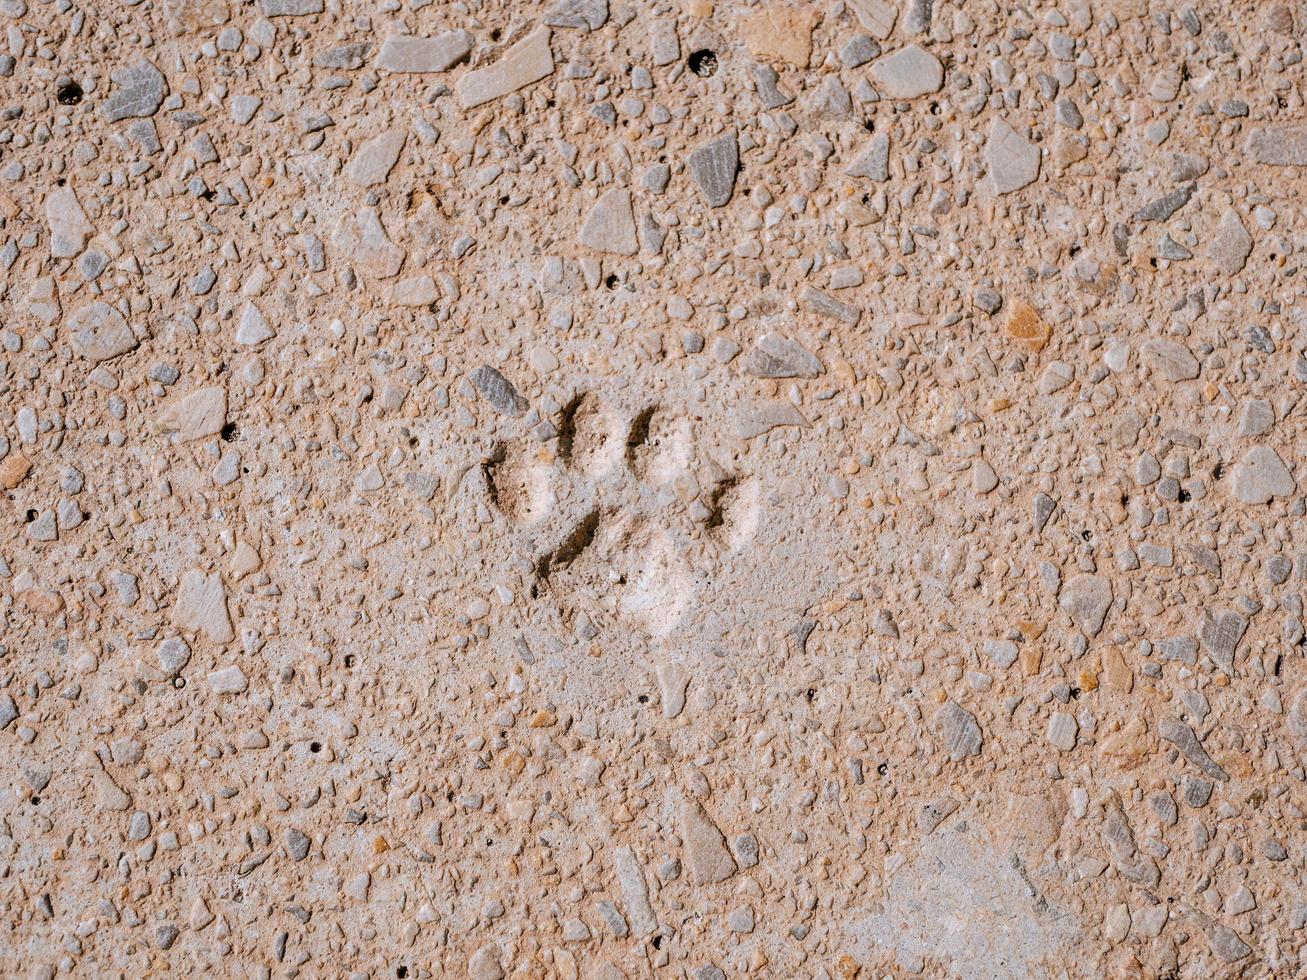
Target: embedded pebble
(908, 73)
(424, 54)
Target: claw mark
(490, 469)
(717, 503)
(567, 428)
(581, 537)
(638, 436)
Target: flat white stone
(1230, 246)
(1261, 476)
(196, 415)
(414, 291)
(525, 63)
(202, 606)
(228, 680)
(907, 73)
(610, 225)
(424, 54)
(100, 333)
(69, 227)
(362, 240)
(375, 158)
(876, 16)
(1013, 161)
(1062, 731)
(253, 328)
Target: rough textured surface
(591, 490)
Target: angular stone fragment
(484, 964)
(610, 225)
(43, 300)
(1026, 327)
(361, 237)
(1086, 599)
(525, 63)
(414, 291)
(824, 304)
(228, 680)
(1183, 738)
(69, 227)
(672, 682)
(346, 57)
(297, 843)
(498, 391)
(664, 42)
(1013, 161)
(753, 422)
(1120, 840)
(1261, 476)
(1161, 209)
(44, 528)
(959, 730)
(1169, 248)
(253, 328)
(1231, 245)
(244, 560)
(635, 891)
(1256, 418)
(100, 333)
(1297, 719)
(713, 165)
(908, 73)
(412, 55)
(873, 161)
(202, 606)
(1062, 731)
(1185, 166)
(876, 16)
(1171, 359)
(1056, 376)
(780, 32)
(706, 855)
(1279, 146)
(196, 415)
(138, 91)
(933, 813)
(1220, 634)
(1225, 942)
(290, 8)
(776, 356)
(579, 15)
(110, 795)
(375, 158)
(767, 84)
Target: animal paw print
(625, 517)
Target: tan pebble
(13, 470)
(1024, 326)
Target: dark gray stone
(1161, 209)
(498, 391)
(1183, 738)
(579, 15)
(138, 91)
(713, 166)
